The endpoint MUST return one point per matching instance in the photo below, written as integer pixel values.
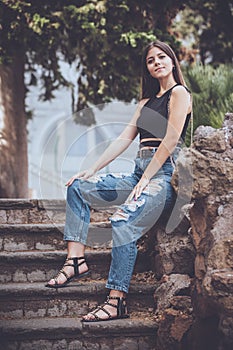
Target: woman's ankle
(75, 249)
(117, 293)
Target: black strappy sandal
(121, 310)
(76, 275)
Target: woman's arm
(116, 147)
(180, 106)
(122, 142)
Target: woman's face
(159, 64)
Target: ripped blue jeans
(131, 220)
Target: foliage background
(104, 38)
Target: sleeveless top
(153, 119)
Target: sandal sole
(107, 319)
(63, 285)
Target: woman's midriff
(148, 140)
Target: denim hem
(74, 239)
(114, 287)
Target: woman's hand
(137, 191)
(82, 175)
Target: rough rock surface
(174, 253)
(201, 317)
(212, 231)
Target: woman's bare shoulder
(181, 95)
(180, 90)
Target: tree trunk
(13, 130)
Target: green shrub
(212, 91)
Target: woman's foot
(73, 268)
(113, 308)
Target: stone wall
(195, 307)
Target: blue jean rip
(100, 177)
(95, 178)
(123, 212)
(153, 187)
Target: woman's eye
(149, 61)
(162, 56)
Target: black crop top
(152, 122)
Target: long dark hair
(150, 86)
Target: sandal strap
(75, 264)
(115, 298)
(96, 317)
(113, 305)
(64, 273)
(75, 257)
(121, 304)
(101, 308)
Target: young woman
(161, 120)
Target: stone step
(24, 211)
(33, 300)
(47, 237)
(135, 333)
(31, 211)
(40, 266)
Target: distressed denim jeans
(132, 218)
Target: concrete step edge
(6, 204)
(42, 204)
(44, 228)
(23, 203)
(50, 255)
(31, 255)
(57, 328)
(99, 259)
(78, 287)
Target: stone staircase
(35, 317)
